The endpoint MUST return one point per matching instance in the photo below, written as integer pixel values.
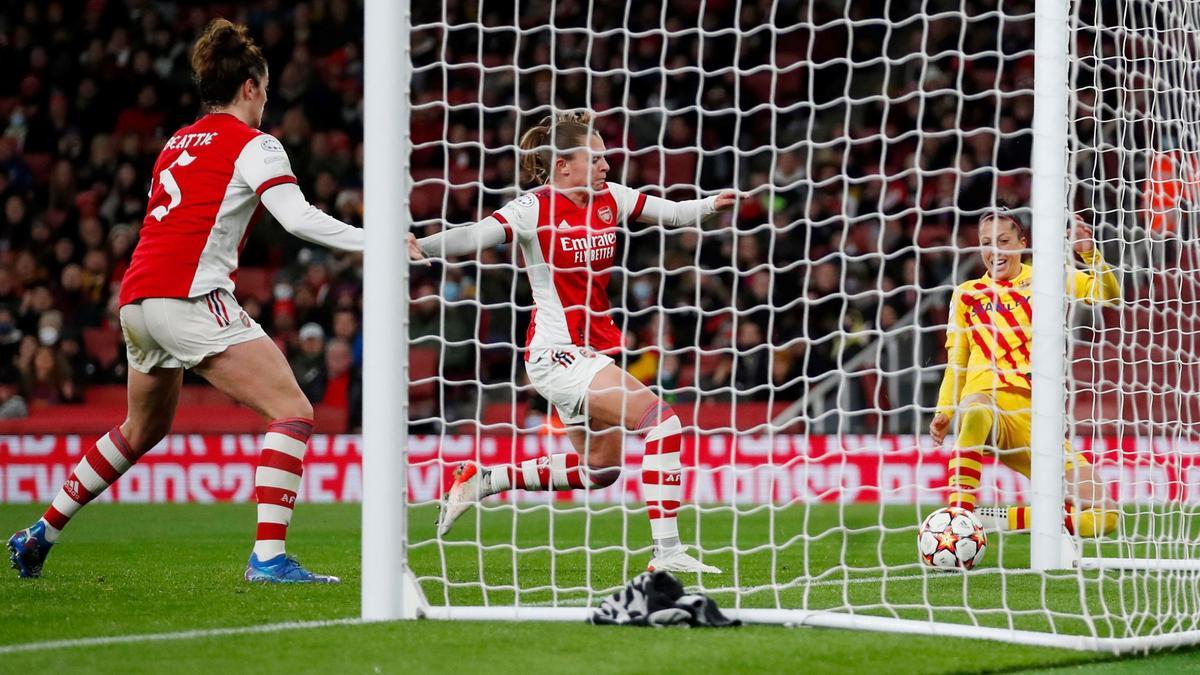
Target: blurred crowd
(89, 93)
(868, 136)
(866, 151)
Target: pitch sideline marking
(179, 635)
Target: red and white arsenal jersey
(204, 197)
(568, 253)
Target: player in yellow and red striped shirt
(987, 381)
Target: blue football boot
(284, 569)
(28, 550)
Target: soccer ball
(951, 539)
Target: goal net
(1134, 379)
(800, 338)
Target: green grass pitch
(133, 570)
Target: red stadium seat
(102, 344)
(759, 86)
(426, 200)
(39, 165)
(256, 283)
(422, 373)
(114, 395)
(679, 168)
(330, 419)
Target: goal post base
(411, 603)
(880, 624)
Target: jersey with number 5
(204, 198)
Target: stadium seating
(202, 409)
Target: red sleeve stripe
(508, 231)
(272, 182)
(638, 206)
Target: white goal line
(178, 635)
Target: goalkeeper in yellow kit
(987, 381)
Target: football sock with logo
(662, 484)
(1093, 522)
(966, 466)
(101, 466)
(277, 481)
(555, 472)
(1004, 518)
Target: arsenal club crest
(606, 215)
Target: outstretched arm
(264, 166)
(650, 209)
(287, 203)
(485, 234)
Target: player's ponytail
(561, 134)
(223, 59)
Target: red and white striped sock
(277, 481)
(554, 472)
(101, 466)
(662, 484)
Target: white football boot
(678, 560)
(466, 490)
(993, 518)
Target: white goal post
(386, 593)
(800, 340)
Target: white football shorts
(562, 376)
(180, 333)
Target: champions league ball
(951, 539)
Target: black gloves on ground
(658, 599)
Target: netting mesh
(799, 338)
(1134, 370)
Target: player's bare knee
(604, 450)
(603, 476)
(144, 435)
(294, 406)
(656, 413)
